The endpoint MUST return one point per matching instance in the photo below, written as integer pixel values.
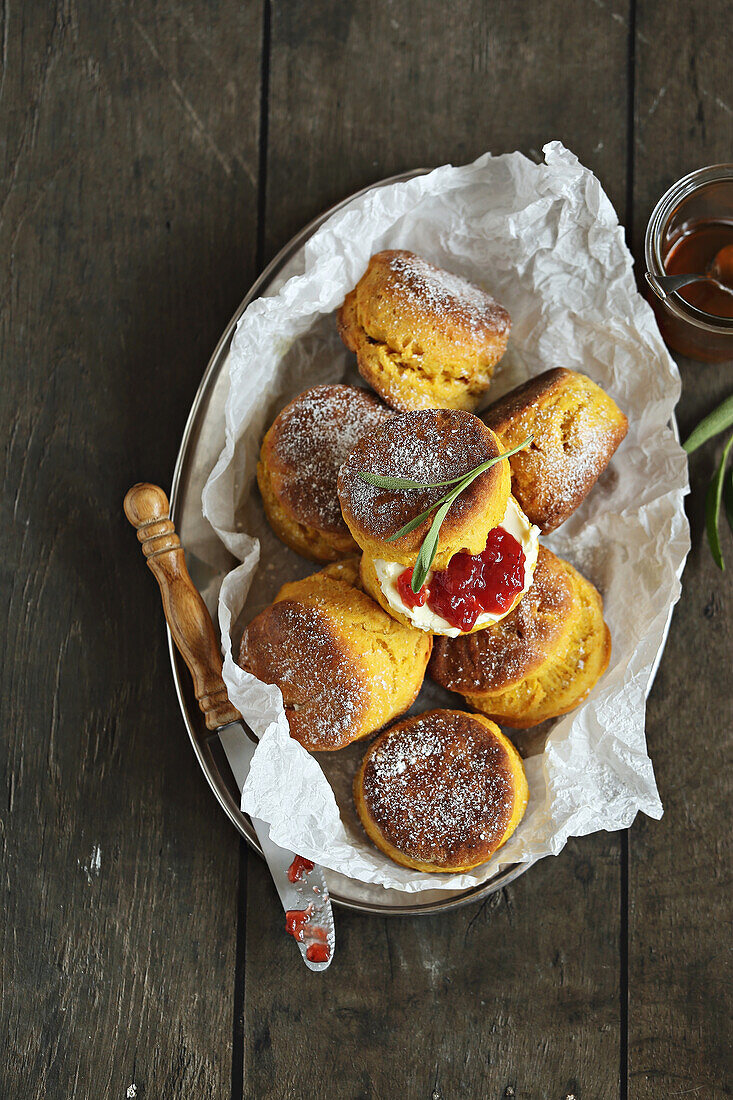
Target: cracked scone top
(344, 667)
(576, 428)
(423, 337)
(441, 791)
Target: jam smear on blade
(318, 953)
(298, 868)
(297, 925)
(296, 921)
(473, 584)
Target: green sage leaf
(427, 551)
(716, 421)
(417, 520)
(426, 554)
(387, 481)
(713, 500)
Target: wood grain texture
(518, 996)
(679, 933)
(129, 171)
(362, 91)
(127, 211)
(513, 997)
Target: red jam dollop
(318, 953)
(404, 587)
(472, 584)
(298, 868)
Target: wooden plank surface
(128, 223)
(137, 940)
(518, 996)
(362, 91)
(680, 977)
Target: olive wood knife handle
(147, 508)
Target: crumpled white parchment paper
(545, 240)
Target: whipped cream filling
(424, 618)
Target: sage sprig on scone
(426, 554)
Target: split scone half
(345, 668)
(441, 791)
(486, 549)
(423, 337)
(576, 427)
(539, 662)
(299, 463)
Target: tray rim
(198, 735)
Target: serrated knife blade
(311, 891)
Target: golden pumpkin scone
(576, 428)
(299, 464)
(344, 667)
(442, 791)
(429, 445)
(424, 338)
(486, 549)
(539, 662)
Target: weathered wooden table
(154, 157)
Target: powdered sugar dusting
(295, 647)
(428, 445)
(562, 476)
(576, 429)
(440, 788)
(313, 436)
(446, 295)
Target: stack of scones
(429, 518)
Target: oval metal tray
(209, 562)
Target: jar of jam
(690, 226)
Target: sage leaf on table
(716, 421)
(713, 501)
(426, 553)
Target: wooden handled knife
(300, 884)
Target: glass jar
(704, 196)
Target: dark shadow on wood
(241, 944)
(624, 837)
(239, 976)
